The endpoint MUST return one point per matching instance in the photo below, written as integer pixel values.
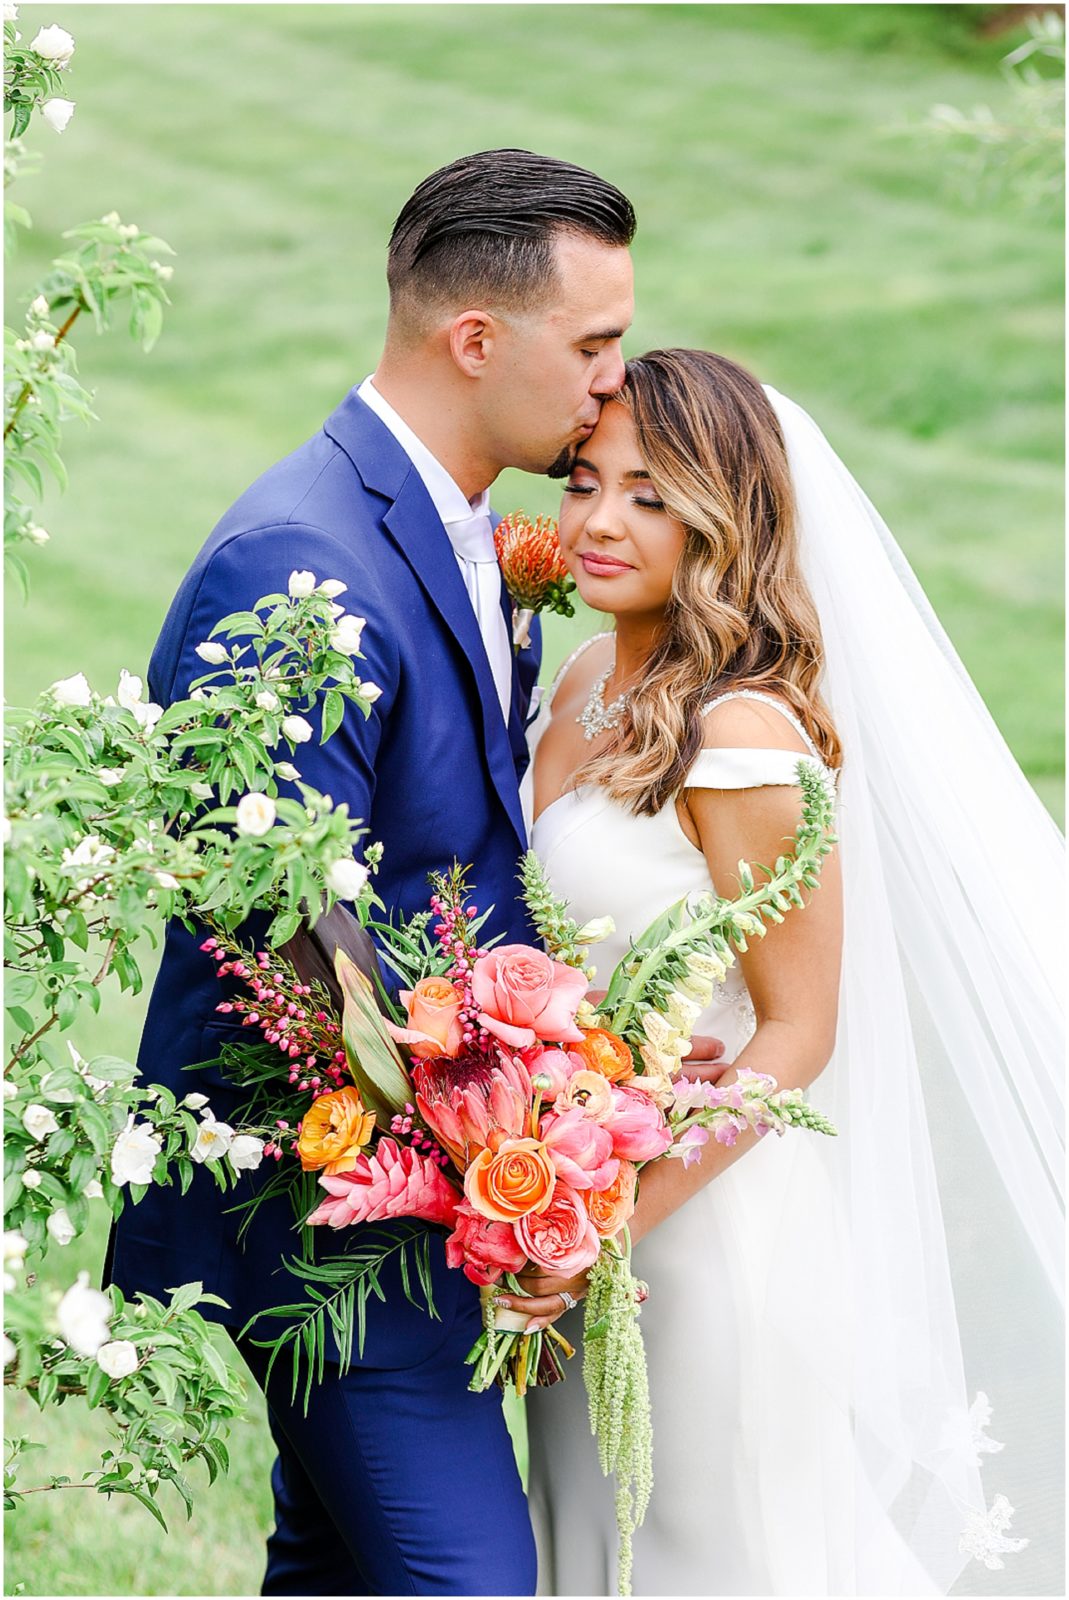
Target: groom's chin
(561, 467)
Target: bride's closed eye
(639, 500)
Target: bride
(817, 1307)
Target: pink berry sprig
(459, 944)
(286, 1013)
(404, 1126)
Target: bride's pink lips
(603, 566)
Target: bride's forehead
(614, 442)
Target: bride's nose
(605, 523)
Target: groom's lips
(603, 566)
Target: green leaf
(333, 712)
(374, 1059)
(97, 1384)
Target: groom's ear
(473, 336)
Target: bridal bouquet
(493, 1100)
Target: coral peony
(559, 1066)
(334, 1130)
(434, 1025)
(639, 1129)
(393, 1181)
(468, 1102)
(589, 1093)
(523, 996)
(580, 1149)
(506, 1184)
(610, 1208)
(561, 1239)
(483, 1248)
(606, 1053)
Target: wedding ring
(570, 1302)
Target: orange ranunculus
(604, 1052)
(610, 1208)
(434, 1025)
(333, 1132)
(506, 1183)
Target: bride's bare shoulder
(572, 683)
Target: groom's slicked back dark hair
(483, 228)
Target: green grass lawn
(785, 219)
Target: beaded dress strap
(768, 700)
(572, 659)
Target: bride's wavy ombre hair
(740, 615)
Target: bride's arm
(793, 978)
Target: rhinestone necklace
(596, 717)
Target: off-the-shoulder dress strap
(777, 705)
(572, 659)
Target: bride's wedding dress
(725, 1518)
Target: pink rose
(523, 996)
(638, 1127)
(562, 1239)
(580, 1150)
(483, 1248)
(558, 1066)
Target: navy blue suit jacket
(434, 771)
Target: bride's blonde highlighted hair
(740, 614)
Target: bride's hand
(546, 1301)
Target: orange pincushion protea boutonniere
(532, 565)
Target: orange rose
(612, 1207)
(334, 1129)
(434, 1026)
(604, 1052)
(506, 1183)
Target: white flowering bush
(119, 814)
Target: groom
(510, 289)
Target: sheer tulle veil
(944, 1318)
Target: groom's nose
(608, 377)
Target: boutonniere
(532, 565)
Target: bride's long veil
(946, 1087)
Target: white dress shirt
(468, 525)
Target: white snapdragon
(255, 814)
(60, 1226)
(73, 691)
(135, 1152)
(246, 1152)
(213, 1140)
(212, 652)
(118, 1358)
(346, 877)
(296, 729)
(594, 931)
(346, 635)
(682, 1012)
(39, 1122)
(54, 44)
(83, 1316)
(58, 112)
(301, 585)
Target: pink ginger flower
(393, 1181)
(581, 1150)
(466, 1101)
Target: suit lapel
(414, 527)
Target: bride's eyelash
(650, 505)
(587, 488)
(578, 488)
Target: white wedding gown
(726, 1517)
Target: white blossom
(37, 535)
(594, 931)
(57, 112)
(83, 1316)
(130, 690)
(286, 769)
(129, 230)
(166, 880)
(255, 814)
(346, 877)
(39, 306)
(11, 12)
(147, 713)
(369, 692)
(246, 1152)
(118, 1358)
(60, 1226)
(301, 585)
(201, 791)
(346, 636)
(110, 776)
(332, 588)
(213, 653)
(134, 1153)
(9, 1349)
(73, 691)
(94, 1189)
(42, 341)
(111, 219)
(39, 1122)
(268, 701)
(296, 730)
(15, 1248)
(10, 1089)
(54, 44)
(164, 273)
(213, 1140)
(195, 1101)
(31, 1179)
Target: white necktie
(472, 539)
